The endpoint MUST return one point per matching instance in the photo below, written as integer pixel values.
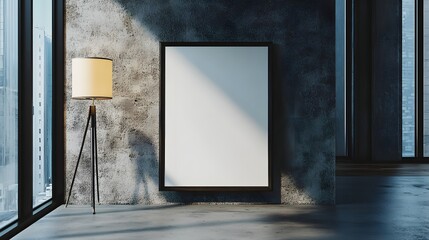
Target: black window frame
(27, 214)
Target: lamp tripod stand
(94, 158)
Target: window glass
(408, 78)
(42, 101)
(8, 111)
(426, 78)
(340, 24)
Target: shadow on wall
(192, 20)
(303, 95)
(143, 151)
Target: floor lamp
(91, 80)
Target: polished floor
(368, 207)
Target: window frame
(419, 89)
(26, 213)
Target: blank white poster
(216, 116)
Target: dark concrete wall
(303, 32)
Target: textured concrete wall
(128, 137)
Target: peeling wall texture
(129, 31)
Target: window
(8, 116)
(415, 79)
(340, 75)
(31, 184)
(361, 127)
(408, 78)
(42, 27)
(425, 78)
(343, 78)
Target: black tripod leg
(93, 158)
(80, 154)
(96, 154)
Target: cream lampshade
(92, 78)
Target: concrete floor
(370, 207)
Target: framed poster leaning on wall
(215, 124)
